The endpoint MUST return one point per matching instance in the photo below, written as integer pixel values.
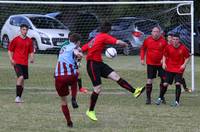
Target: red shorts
(62, 84)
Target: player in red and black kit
(175, 58)
(96, 68)
(186, 89)
(19, 50)
(153, 48)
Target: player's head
(70, 33)
(176, 40)
(156, 32)
(169, 37)
(105, 27)
(23, 29)
(75, 38)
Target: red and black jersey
(175, 57)
(96, 46)
(153, 49)
(21, 49)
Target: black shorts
(153, 71)
(171, 76)
(96, 70)
(21, 70)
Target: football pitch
(117, 110)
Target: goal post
(110, 11)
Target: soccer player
(183, 82)
(175, 58)
(96, 68)
(66, 73)
(19, 50)
(79, 81)
(153, 48)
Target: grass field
(116, 109)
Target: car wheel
(35, 45)
(5, 41)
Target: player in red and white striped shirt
(66, 73)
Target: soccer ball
(111, 53)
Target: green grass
(116, 109)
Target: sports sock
(178, 92)
(74, 92)
(79, 83)
(163, 90)
(93, 100)
(148, 90)
(184, 83)
(19, 90)
(126, 85)
(66, 113)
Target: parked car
(46, 32)
(81, 22)
(185, 35)
(132, 30)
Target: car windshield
(46, 23)
(146, 26)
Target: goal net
(50, 23)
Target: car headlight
(44, 38)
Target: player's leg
(108, 72)
(183, 82)
(73, 82)
(163, 89)
(63, 91)
(19, 83)
(81, 88)
(93, 70)
(169, 77)
(178, 79)
(151, 74)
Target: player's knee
(114, 76)
(63, 100)
(178, 83)
(97, 89)
(165, 84)
(149, 81)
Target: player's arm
(32, 57)
(164, 66)
(11, 49)
(142, 53)
(187, 58)
(78, 53)
(31, 52)
(10, 54)
(121, 43)
(85, 47)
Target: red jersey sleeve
(110, 40)
(186, 53)
(165, 52)
(11, 46)
(31, 48)
(143, 50)
(84, 47)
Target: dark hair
(176, 35)
(105, 27)
(74, 37)
(170, 34)
(23, 25)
